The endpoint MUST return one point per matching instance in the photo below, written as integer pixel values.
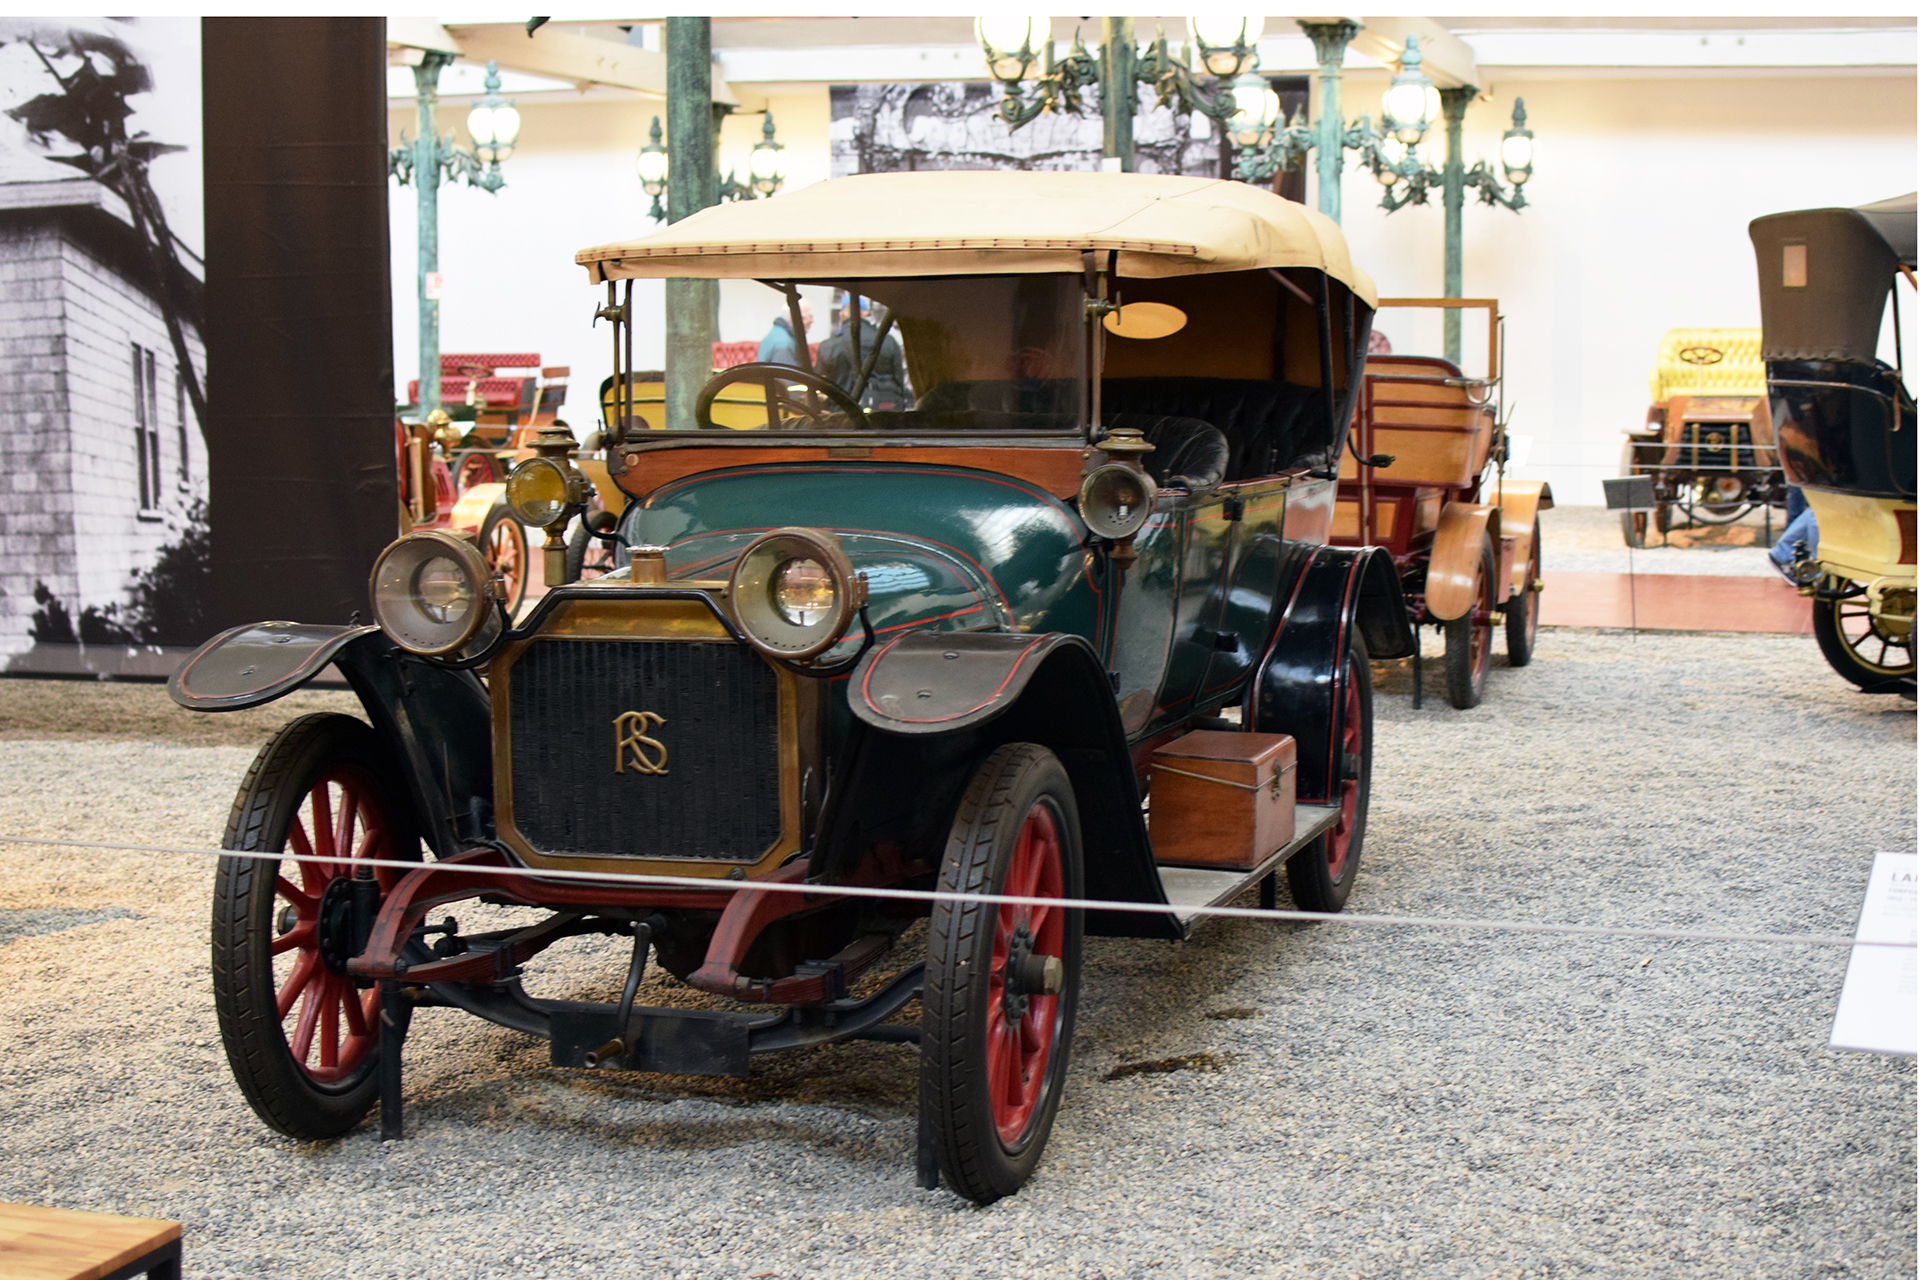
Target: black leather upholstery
(1268, 425)
(1186, 451)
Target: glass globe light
(493, 124)
(1226, 43)
(767, 162)
(1392, 152)
(651, 165)
(1013, 43)
(1256, 109)
(1411, 103)
(1516, 146)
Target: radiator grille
(718, 709)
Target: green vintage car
(948, 648)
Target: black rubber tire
(973, 1157)
(588, 555)
(1633, 528)
(244, 900)
(502, 535)
(1872, 672)
(1523, 610)
(1466, 673)
(1310, 873)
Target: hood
(945, 547)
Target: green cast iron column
(1118, 96)
(1453, 192)
(1330, 40)
(426, 185)
(690, 188)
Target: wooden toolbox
(1222, 799)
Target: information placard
(1876, 1012)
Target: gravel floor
(1587, 539)
(1353, 1102)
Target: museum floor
(1262, 1100)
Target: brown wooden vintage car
(1424, 477)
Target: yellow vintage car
(1707, 444)
(1846, 424)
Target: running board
(1188, 889)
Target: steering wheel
(777, 382)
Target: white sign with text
(1876, 1012)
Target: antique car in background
(1707, 445)
(431, 497)
(494, 399)
(1424, 476)
(947, 649)
(1846, 425)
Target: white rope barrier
(713, 884)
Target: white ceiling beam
(1443, 55)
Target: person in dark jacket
(888, 388)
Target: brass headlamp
(547, 492)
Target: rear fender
(1453, 570)
(435, 720)
(1521, 502)
(910, 755)
(1339, 592)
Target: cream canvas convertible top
(989, 222)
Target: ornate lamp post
(1019, 49)
(1408, 108)
(766, 169)
(1408, 180)
(430, 160)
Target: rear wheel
(1523, 610)
(302, 1034)
(1321, 875)
(1470, 639)
(1870, 652)
(587, 556)
(1002, 982)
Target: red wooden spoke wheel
(1470, 638)
(1321, 875)
(1020, 1024)
(301, 1033)
(1002, 982)
(503, 541)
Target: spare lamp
(1411, 103)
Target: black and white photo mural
(885, 128)
(103, 459)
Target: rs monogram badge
(632, 748)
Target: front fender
(1453, 568)
(1520, 503)
(436, 721)
(983, 689)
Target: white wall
(1637, 224)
